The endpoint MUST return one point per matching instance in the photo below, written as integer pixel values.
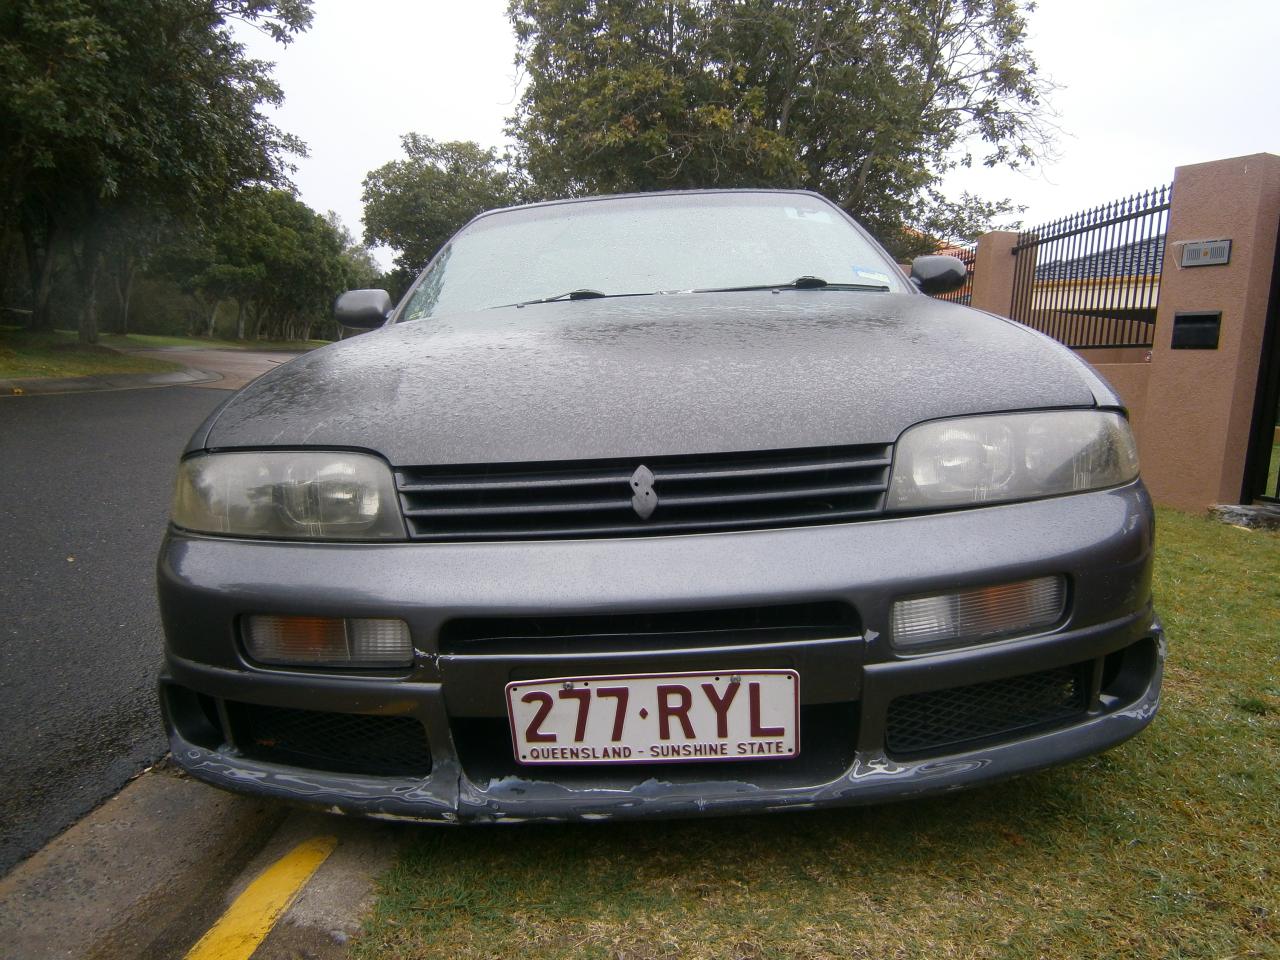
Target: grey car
(665, 504)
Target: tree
(359, 269)
(869, 102)
(131, 236)
(110, 105)
(304, 257)
(414, 205)
(280, 261)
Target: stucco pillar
(993, 272)
(1199, 403)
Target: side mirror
(363, 309)
(938, 274)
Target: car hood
(653, 375)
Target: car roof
(706, 191)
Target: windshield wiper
(799, 283)
(580, 294)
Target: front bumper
(851, 678)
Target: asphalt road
(85, 483)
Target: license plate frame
(758, 712)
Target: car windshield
(652, 244)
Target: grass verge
(136, 341)
(57, 353)
(1168, 846)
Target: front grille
(337, 742)
(927, 722)
(523, 501)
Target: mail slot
(1196, 331)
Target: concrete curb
(137, 875)
(327, 915)
(35, 386)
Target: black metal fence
(962, 294)
(1092, 279)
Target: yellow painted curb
(249, 919)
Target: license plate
(656, 718)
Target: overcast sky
(1147, 85)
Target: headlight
(313, 495)
(947, 463)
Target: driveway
(237, 367)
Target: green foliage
(281, 262)
(866, 101)
(359, 269)
(626, 95)
(415, 204)
(123, 95)
(138, 106)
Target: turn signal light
(328, 642)
(968, 616)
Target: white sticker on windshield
(872, 275)
(813, 216)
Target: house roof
(1140, 258)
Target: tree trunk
(124, 293)
(239, 319)
(7, 269)
(40, 265)
(89, 309)
(864, 168)
(88, 268)
(213, 317)
(128, 301)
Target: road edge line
(251, 916)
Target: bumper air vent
(336, 742)
(651, 630)
(940, 720)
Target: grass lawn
(135, 341)
(58, 354)
(1168, 846)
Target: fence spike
(1080, 281)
